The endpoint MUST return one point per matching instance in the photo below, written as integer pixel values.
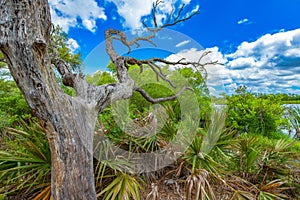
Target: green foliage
(249, 166)
(13, 106)
(249, 113)
(2, 63)
(25, 160)
(123, 187)
(205, 146)
(197, 82)
(100, 78)
(112, 183)
(156, 87)
(289, 98)
(260, 160)
(247, 154)
(58, 47)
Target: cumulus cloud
(134, 10)
(76, 13)
(73, 45)
(270, 64)
(217, 75)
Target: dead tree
(69, 121)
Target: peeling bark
(24, 35)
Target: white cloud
(243, 21)
(72, 44)
(180, 44)
(269, 64)
(185, 2)
(134, 10)
(270, 45)
(241, 62)
(69, 13)
(217, 75)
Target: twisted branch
(123, 63)
(177, 18)
(155, 63)
(119, 35)
(162, 99)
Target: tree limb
(162, 99)
(123, 63)
(119, 35)
(154, 65)
(176, 19)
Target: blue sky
(258, 41)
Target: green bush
(13, 106)
(250, 113)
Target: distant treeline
(285, 98)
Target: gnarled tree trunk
(69, 121)
(24, 36)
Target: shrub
(250, 113)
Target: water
(285, 130)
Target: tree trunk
(69, 122)
(71, 149)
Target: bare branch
(153, 64)
(162, 99)
(123, 63)
(154, 8)
(135, 41)
(179, 12)
(155, 68)
(159, 73)
(119, 35)
(198, 66)
(177, 18)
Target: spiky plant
(112, 175)
(272, 190)
(246, 154)
(200, 157)
(123, 187)
(198, 183)
(278, 162)
(25, 165)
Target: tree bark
(69, 122)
